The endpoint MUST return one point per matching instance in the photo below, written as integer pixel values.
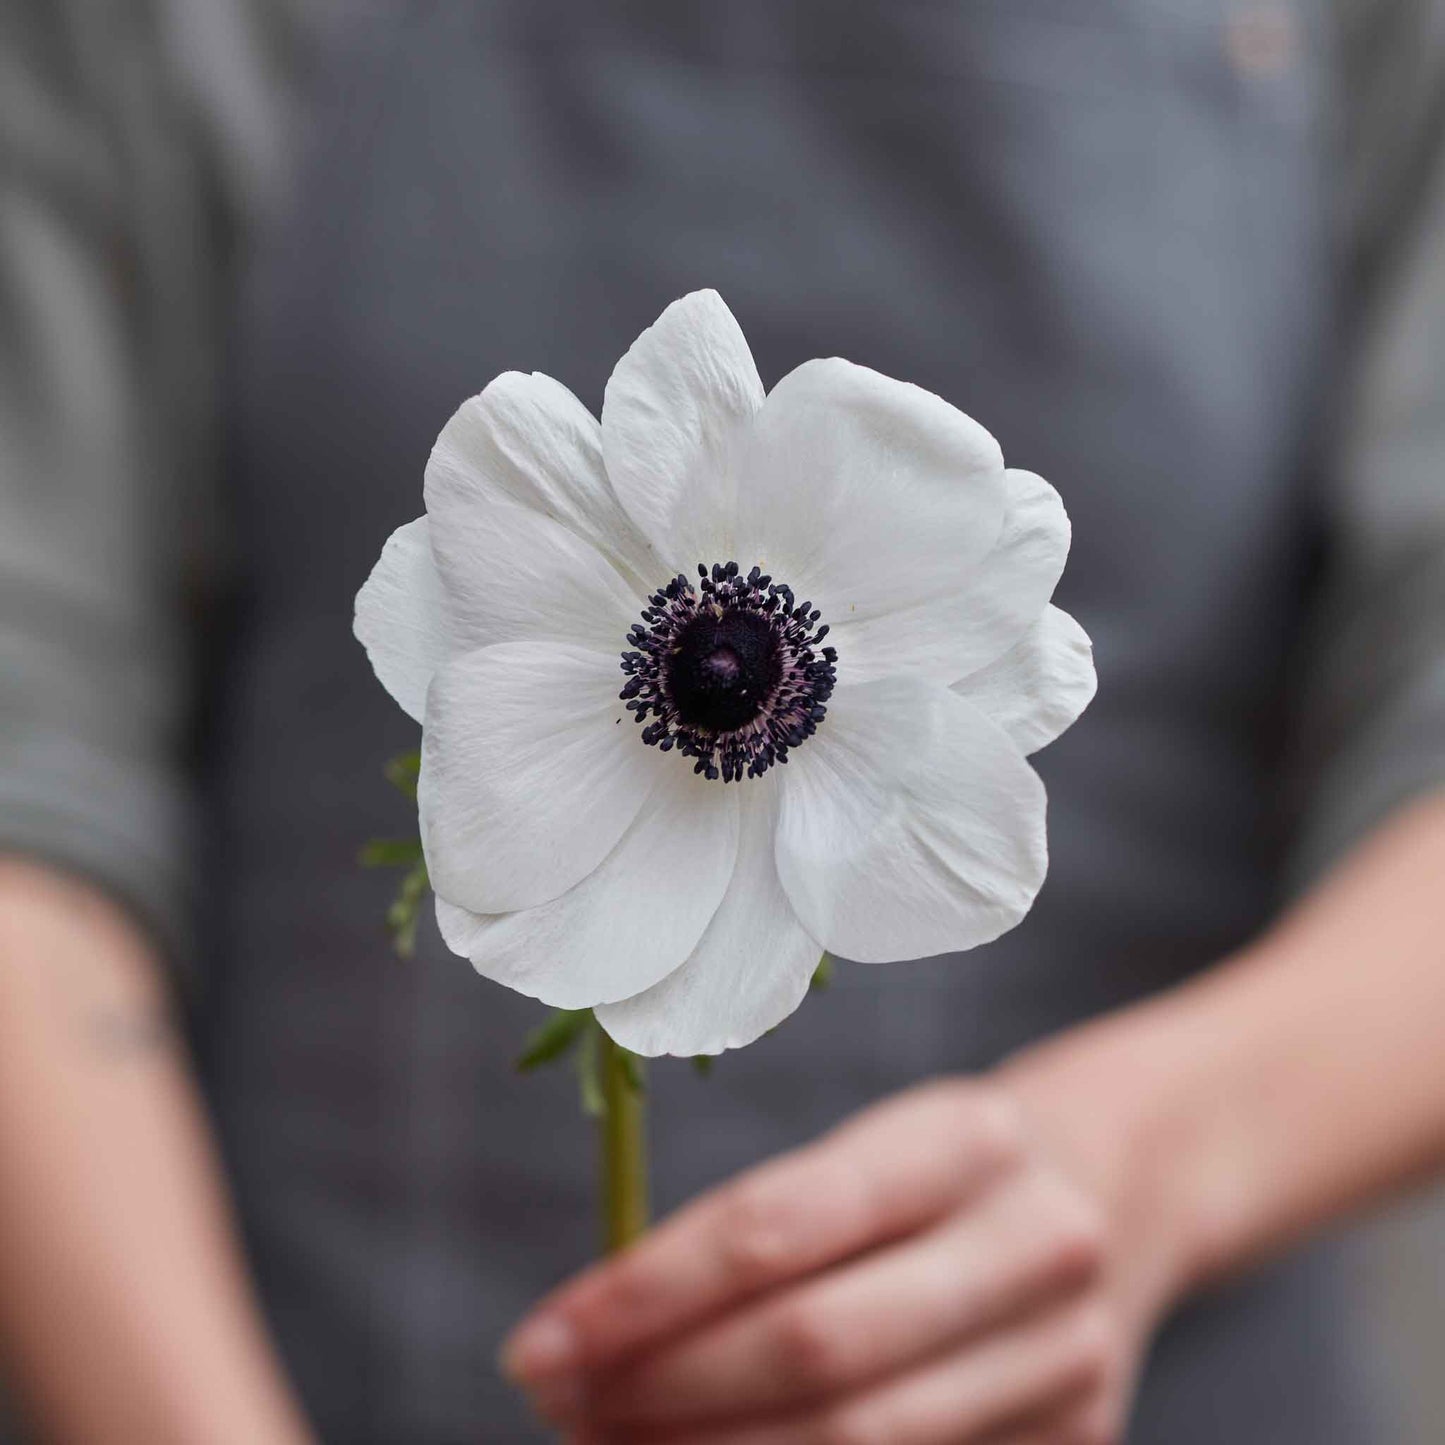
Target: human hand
(945, 1268)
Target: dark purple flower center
(730, 668)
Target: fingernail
(541, 1348)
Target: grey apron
(1079, 222)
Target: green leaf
(587, 1060)
(403, 771)
(552, 1038)
(391, 853)
(823, 974)
(702, 1065)
(405, 910)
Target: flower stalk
(623, 1128)
(613, 1092)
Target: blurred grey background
(1132, 234)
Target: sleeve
(1372, 732)
(106, 299)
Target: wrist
(1126, 1103)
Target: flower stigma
(730, 668)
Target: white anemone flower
(724, 682)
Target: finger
(1061, 1427)
(1024, 1244)
(959, 1400)
(779, 1222)
(1093, 1419)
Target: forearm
(124, 1310)
(1303, 1078)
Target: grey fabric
(1372, 714)
(105, 382)
(1118, 233)
(138, 145)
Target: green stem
(624, 1145)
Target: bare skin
(125, 1315)
(984, 1260)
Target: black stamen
(727, 667)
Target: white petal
(521, 518)
(992, 605)
(403, 619)
(1040, 685)
(627, 924)
(865, 494)
(675, 412)
(527, 439)
(910, 825)
(749, 972)
(528, 778)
